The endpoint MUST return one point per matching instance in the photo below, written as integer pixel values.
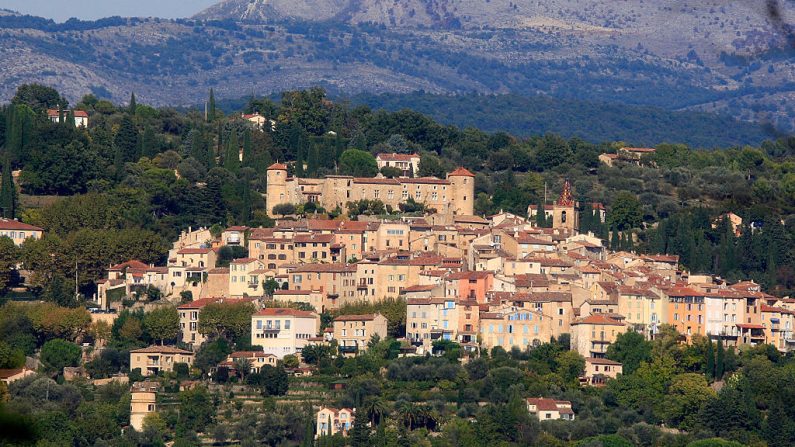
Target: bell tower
(565, 210)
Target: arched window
(563, 217)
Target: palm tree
(374, 409)
(243, 367)
(408, 414)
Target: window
(287, 324)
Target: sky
(60, 10)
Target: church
(563, 212)
(454, 195)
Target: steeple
(566, 198)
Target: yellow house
(353, 332)
(591, 335)
(431, 319)
(155, 359)
(19, 232)
(143, 402)
(643, 309)
(598, 371)
(246, 276)
(256, 360)
(510, 326)
(282, 331)
(331, 421)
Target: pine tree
(232, 154)
(719, 361)
(710, 369)
(133, 105)
(211, 107)
(8, 192)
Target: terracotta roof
(419, 288)
(219, 271)
(471, 275)
(249, 354)
(638, 149)
(11, 224)
(277, 167)
(365, 317)
(376, 180)
(598, 319)
(244, 260)
(544, 404)
(291, 292)
(396, 157)
(749, 326)
(161, 350)
(324, 268)
(461, 172)
(309, 238)
(193, 251)
(282, 311)
(132, 264)
(423, 180)
(78, 113)
(198, 304)
(8, 373)
(237, 228)
(598, 361)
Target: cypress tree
(70, 118)
(211, 107)
(541, 217)
(615, 242)
(245, 197)
(719, 361)
(133, 105)
(313, 160)
(126, 140)
(710, 368)
(148, 148)
(248, 148)
(629, 244)
(8, 191)
(60, 115)
(232, 155)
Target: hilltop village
(322, 276)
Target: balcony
(361, 285)
(348, 349)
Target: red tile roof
(396, 157)
(277, 167)
(598, 319)
(11, 224)
(366, 317)
(461, 172)
(161, 350)
(193, 251)
(282, 311)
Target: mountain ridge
(710, 56)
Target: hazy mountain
(677, 55)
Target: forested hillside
(591, 121)
(173, 170)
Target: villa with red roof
(550, 409)
(81, 116)
(18, 231)
(409, 164)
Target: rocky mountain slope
(709, 55)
